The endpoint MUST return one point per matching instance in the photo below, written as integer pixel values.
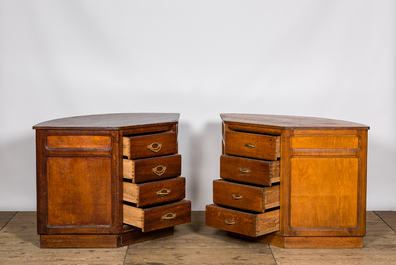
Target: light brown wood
(246, 197)
(248, 170)
(325, 142)
(78, 142)
(242, 222)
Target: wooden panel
(242, 222)
(258, 146)
(325, 142)
(152, 169)
(245, 197)
(324, 193)
(78, 141)
(248, 170)
(79, 192)
(150, 145)
(155, 193)
(78, 241)
(159, 217)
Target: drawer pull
(237, 196)
(229, 222)
(244, 170)
(163, 192)
(169, 216)
(155, 147)
(159, 170)
(250, 146)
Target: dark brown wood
(155, 193)
(143, 170)
(140, 145)
(80, 177)
(251, 145)
(248, 170)
(245, 197)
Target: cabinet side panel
(79, 191)
(324, 192)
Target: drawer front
(154, 218)
(151, 169)
(247, 170)
(251, 145)
(240, 222)
(251, 198)
(155, 193)
(135, 147)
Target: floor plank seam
(126, 253)
(385, 222)
(8, 221)
(273, 256)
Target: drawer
(154, 218)
(240, 196)
(248, 170)
(155, 193)
(150, 145)
(241, 222)
(251, 145)
(151, 169)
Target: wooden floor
(194, 243)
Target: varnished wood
(154, 218)
(258, 172)
(155, 193)
(136, 147)
(141, 170)
(246, 197)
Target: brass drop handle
(237, 196)
(229, 222)
(163, 192)
(250, 146)
(169, 216)
(155, 147)
(159, 170)
(244, 170)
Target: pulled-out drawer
(151, 169)
(251, 198)
(154, 218)
(151, 145)
(155, 193)
(241, 222)
(248, 170)
(252, 145)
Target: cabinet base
(102, 241)
(305, 242)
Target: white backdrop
(331, 59)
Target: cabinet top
(290, 122)
(110, 121)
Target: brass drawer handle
(250, 146)
(155, 147)
(237, 196)
(159, 170)
(163, 192)
(244, 170)
(229, 222)
(169, 216)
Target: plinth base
(129, 237)
(277, 239)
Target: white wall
(332, 59)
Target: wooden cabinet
(109, 180)
(291, 181)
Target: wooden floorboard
(194, 243)
(388, 217)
